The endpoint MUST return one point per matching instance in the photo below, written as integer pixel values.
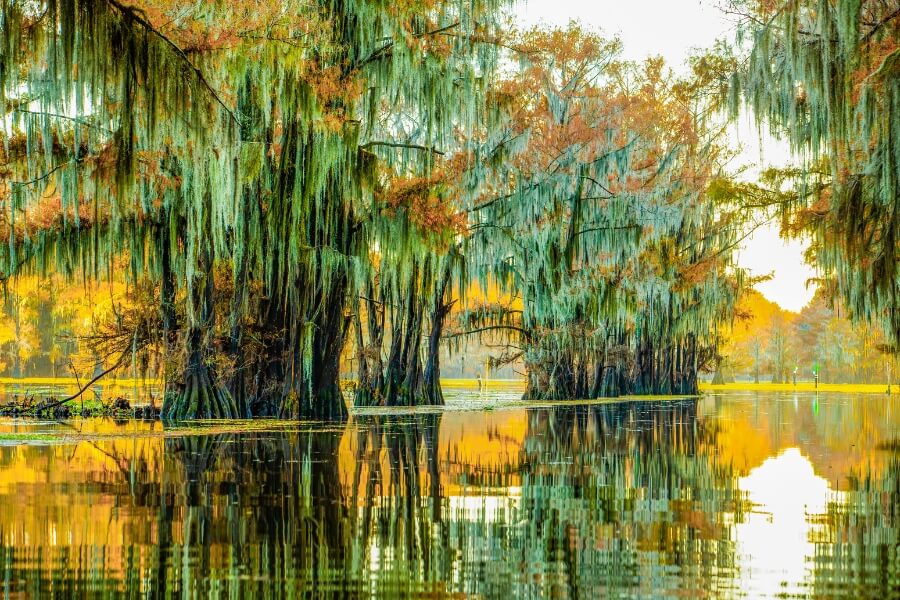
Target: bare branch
(369, 145)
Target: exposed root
(201, 398)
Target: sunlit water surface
(727, 496)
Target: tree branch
(368, 145)
(45, 175)
(118, 364)
(136, 15)
(880, 24)
(387, 47)
(79, 120)
(521, 330)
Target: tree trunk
(167, 306)
(201, 397)
(238, 382)
(433, 394)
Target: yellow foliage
(42, 319)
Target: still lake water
(738, 495)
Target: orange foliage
(421, 200)
(608, 104)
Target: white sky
(672, 28)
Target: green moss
(28, 437)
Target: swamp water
(737, 495)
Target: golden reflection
(776, 538)
(738, 495)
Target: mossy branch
(136, 15)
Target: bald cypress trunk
(370, 369)
(323, 398)
(237, 384)
(201, 396)
(167, 304)
(297, 373)
(433, 394)
(669, 369)
(409, 375)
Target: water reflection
(727, 496)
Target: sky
(671, 29)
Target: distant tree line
(770, 344)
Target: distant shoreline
(802, 386)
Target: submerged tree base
(423, 395)
(201, 398)
(327, 405)
(612, 384)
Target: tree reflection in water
(622, 499)
(618, 500)
(857, 553)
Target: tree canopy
(291, 177)
(824, 73)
